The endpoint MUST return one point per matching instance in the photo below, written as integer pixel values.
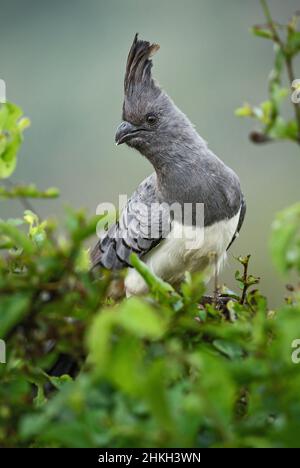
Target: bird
(186, 174)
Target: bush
(159, 371)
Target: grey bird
(186, 173)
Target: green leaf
(231, 350)
(59, 382)
(275, 77)
(31, 218)
(140, 319)
(18, 237)
(11, 135)
(284, 130)
(267, 111)
(245, 111)
(293, 42)
(261, 32)
(285, 239)
(134, 316)
(157, 286)
(28, 191)
(12, 310)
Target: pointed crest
(138, 67)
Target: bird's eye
(151, 119)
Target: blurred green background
(63, 63)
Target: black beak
(124, 132)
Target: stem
(24, 201)
(287, 58)
(271, 23)
(245, 285)
(291, 75)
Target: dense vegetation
(172, 369)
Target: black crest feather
(138, 67)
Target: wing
(241, 220)
(142, 225)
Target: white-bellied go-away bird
(160, 222)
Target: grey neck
(181, 171)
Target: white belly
(183, 250)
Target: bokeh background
(63, 62)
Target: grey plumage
(186, 171)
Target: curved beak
(124, 132)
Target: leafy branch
(12, 126)
(286, 48)
(245, 280)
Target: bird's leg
(214, 299)
(216, 289)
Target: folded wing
(142, 225)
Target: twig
(287, 57)
(245, 284)
(291, 75)
(271, 23)
(24, 201)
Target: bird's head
(151, 121)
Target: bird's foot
(220, 302)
